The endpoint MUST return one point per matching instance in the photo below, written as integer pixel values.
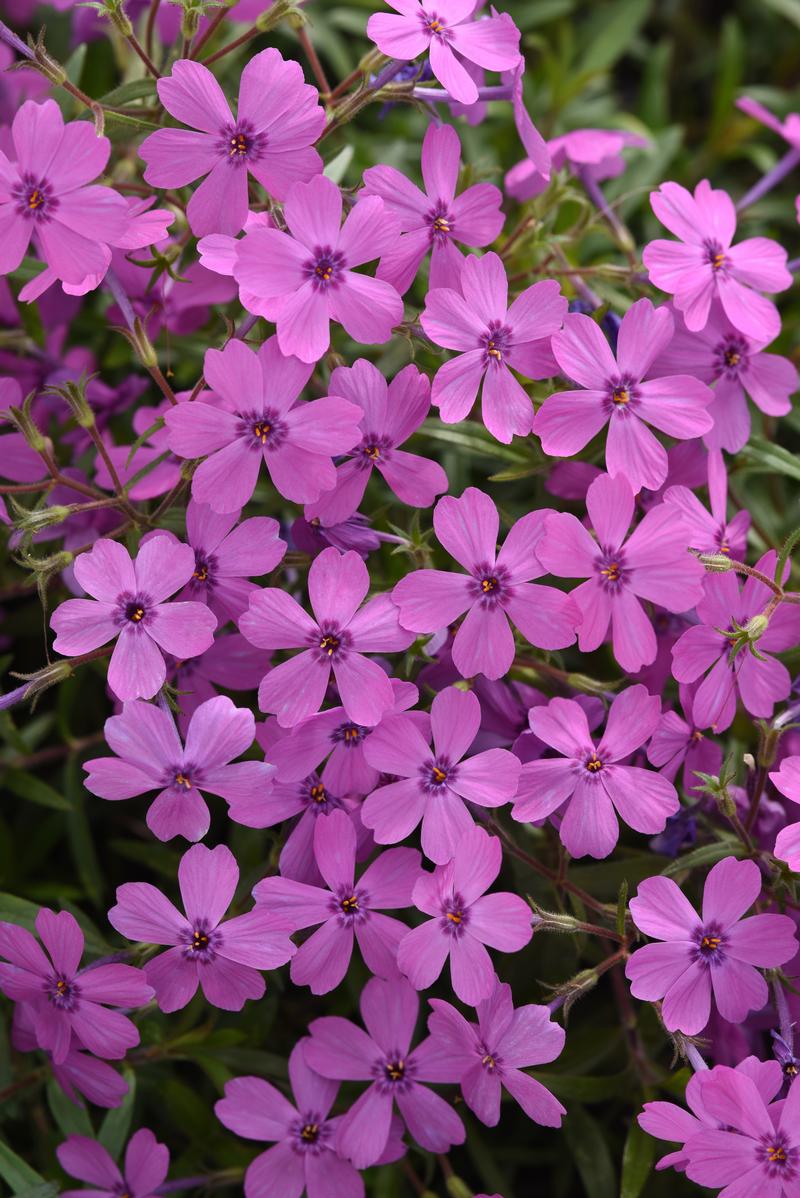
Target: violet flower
(144, 1171)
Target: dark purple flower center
(349, 735)
(622, 396)
(374, 448)
(350, 904)
(34, 198)
(495, 342)
(324, 268)
(265, 430)
(731, 357)
(62, 992)
(310, 1134)
(204, 571)
(778, 1157)
(132, 610)
(202, 943)
(121, 1189)
(491, 1061)
(491, 584)
(394, 1072)
(455, 915)
(436, 773)
(715, 255)
(434, 24)
(710, 944)
(241, 144)
(593, 763)
(440, 222)
(318, 799)
(330, 642)
(611, 569)
(182, 777)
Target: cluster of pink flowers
(387, 729)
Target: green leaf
(590, 1154)
(26, 786)
(72, 1118)
(137, 89)
(337, 167)
(787, 8)
(116, 1125)
(16, 1173)
(585, 1089)
(611, 33)
(764, 457)
(637, 1162)
(18, 910)
(707, 854)
(475, 440)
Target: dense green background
(670, 71)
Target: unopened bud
(190, 22)
(551, 921)
(33, 520)
(23, 419)
(46, 65)
(276, 13)
(42, 680)
(142, 345)
(716, 563)
(755, 628)
(74, 395)
(118, 17)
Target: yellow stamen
(711, 942)
(594, 764)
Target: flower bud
(23, 419)
(755, 628)
(33, 520)
(74, 395)
(716, 563)
(276, 13)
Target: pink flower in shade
(677, 743)
(144, 1171)
(497, 588)
(703, 264)
(335, 640)
(231, 662)
(331, 735)
(667, 1121)
(272, 137)
(150, 757)
(751, 673)
(305, 278)
(255, 418)
(434, 220)
(433, 783)
(227, 555)
(616, 395)
(596, 153)
(304, 1157)
(590, 782)
(18, 462)
(653, 563)
(491, 337)
(464, 920)
(720, 951)
(789, 129)
(160, 470)
(345, 909)
(786, 779)
(533, 143)
(446, 30)
(67, 1003)
(711, 532)
(78, 1073)
(390, 415)
(754, 1151)
(44, 195)
(129, 603)
(490, 1056)
(222, 956)
(737, 366)
(382, 1056)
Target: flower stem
(772, 178)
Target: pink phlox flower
(751, 673)
(356, 533)
(756, 1148)
(254, 417)
(651, 564)
(712, 532)
(788, 129)
(465, 921)
(530, 747)
(592, 783)
(144, 1171)
(435, 783)
(596, 153)
(667, 1121)
(434, 219)
(703, 264)
(446, 30)
(491, 336)
(45, 195)
(346, 909)
(304, 1158)
(496, 589)
(272, 138)
(79, 1072)
(67, 1004)
(222, 956)
(619, 394)
(306, 277)
(231, 662)
(737, 366)
(334, 642)
(333, 738)
(382, 1056)
(719, 952)
(150, 757)
(129, 603)
(390, 415)
(491, 1056)
(677, 743)
(786, 779)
